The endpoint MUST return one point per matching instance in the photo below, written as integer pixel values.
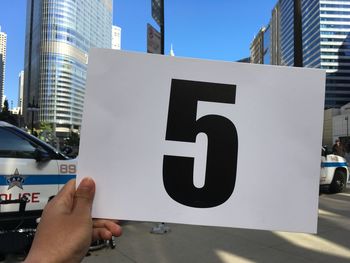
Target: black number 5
(220, 176)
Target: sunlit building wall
(275, 36)
(20, 90)
(3, 39)
(116, 37)
(257, 48)
(59, 35)
(260, 48)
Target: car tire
(338, 183)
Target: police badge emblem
(15, 180)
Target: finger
(109, 225)
(67, 189)
(103, 222)
(64, 198)
(103, 234)
(84, 196)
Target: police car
(30, 170)
(334, 172)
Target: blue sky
(219, 30)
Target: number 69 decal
(220, 176)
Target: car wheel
(338, 183)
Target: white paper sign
(169, 139)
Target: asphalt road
(186, 243)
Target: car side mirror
(41, 155)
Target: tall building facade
(3, 40)
(257, 48)
(326, 45)
(286, 32)
(311, 34)
(260, 48)
(59, 34)
(275, 36)
(323, 41)
(267, 45)
(20, 90)
(116, 37)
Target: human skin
(66, 228)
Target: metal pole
(298, 46)
(55, 109)
(33, 116)
(162, 26)
(20, 113)
(32, 122)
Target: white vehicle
(30, 170)
(334, 172)
(31, 173)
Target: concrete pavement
(192, 244)
(187, 243)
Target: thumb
(84, 196)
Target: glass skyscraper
(260, 48)
(267, 45)
(311, 34)
(59, 34)
(286, 32)
(324, 42)
(275, 36)
(326, 45)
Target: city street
(228, 113)
(187, 243)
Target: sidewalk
(187, 243)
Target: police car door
(23, 171)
